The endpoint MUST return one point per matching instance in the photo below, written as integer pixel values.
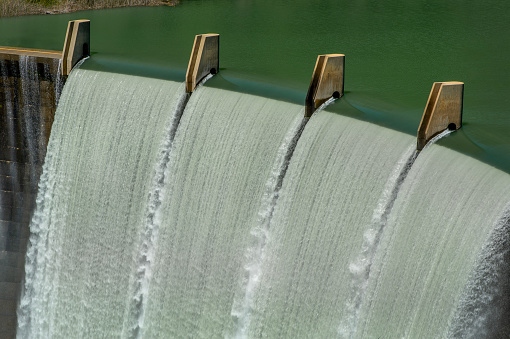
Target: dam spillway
(373, 266)
(84, 248)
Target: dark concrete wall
(29, 86)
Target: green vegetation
(25, 7)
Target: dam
(222, 211)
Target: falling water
(151, 229)
(29, 77)
(316, 227)
(58, 81)
(483, 310)
(243, 305)
(82, 255)
(239, 231)
(443, 217)
(223, 155)
(360, 267)
(10, 131)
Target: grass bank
(28, 7)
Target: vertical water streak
(360, 268)
(150, 231)
(58, 79)
(243, 307)
(29, 77)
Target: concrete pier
(327, 81)
(77, 44)
(443, 111)
(204, 59)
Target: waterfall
(482, 311)
(243, 305)
(223, 155)
(360, 268)
(223, 215)
(30, 93)
(82, 258)
(59, 83)
(10, 129)
(441, 220)
(150, 231)
(316, 226)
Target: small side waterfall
(9, 134)
(29, 76)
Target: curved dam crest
(92, 209)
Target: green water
(394, 52)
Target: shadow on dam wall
(30, 85)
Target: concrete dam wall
(30, 85)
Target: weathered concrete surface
(204, 59)
(443, 110)
(327, 81)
